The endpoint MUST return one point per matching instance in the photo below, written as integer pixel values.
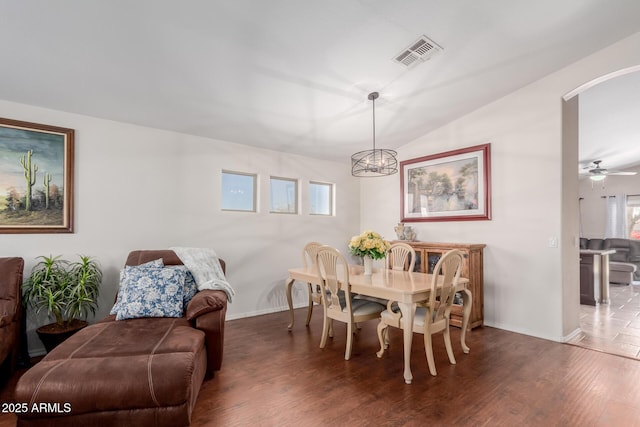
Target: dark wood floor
(273, 377)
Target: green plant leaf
(66, 290)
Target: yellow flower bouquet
(370, 244)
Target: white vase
(368, 265)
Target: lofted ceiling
(610, 123)
(290, 75)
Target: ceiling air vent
(422, 49)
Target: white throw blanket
(205, 267)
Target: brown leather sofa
(624, 264)
(11, 271)
(134, 372)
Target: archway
(570, 195)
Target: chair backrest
(450, 265)
(11, 272)
(168, 256)
(401, 255)
(309, 254)
(11, 275)
(333, 272)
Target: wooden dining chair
(338, 303)
(432, 316)
(401, 256)
(309, 259)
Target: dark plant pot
(53, 334)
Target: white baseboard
(264, 311)
(572, 335)
(561, 339)
(37, 352)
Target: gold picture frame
(36, 178)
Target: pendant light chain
(373, 101)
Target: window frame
(254, 188)
(331, 198)
(296, 189)
(632, 203)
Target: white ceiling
(610, 123)
(291, 75)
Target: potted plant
(67, 291)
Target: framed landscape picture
(36, 178)
(450, 186)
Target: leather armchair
(11, 271)
(206, 311)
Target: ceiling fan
(598, 173)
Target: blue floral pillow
(154, 263)
(151, 292)
(190, 286)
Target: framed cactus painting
(36, 178)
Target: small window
(284, 195)
(320, 198)
(238, 191)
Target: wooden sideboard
(427, 256)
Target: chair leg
(428, 348)
(347, 352)
(382, 336)
(310, 309)
(447, 344)
(386, 337)
(331, 328)
(325, 331)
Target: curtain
(616, 225)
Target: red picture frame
(450, 186)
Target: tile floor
(613, 328)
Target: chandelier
(375, 162)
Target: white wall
(593, 206)
(523, 287)
(142, 188)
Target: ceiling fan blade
(621, 173)
(595, 169)
(598, 171)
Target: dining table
(407, 288)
